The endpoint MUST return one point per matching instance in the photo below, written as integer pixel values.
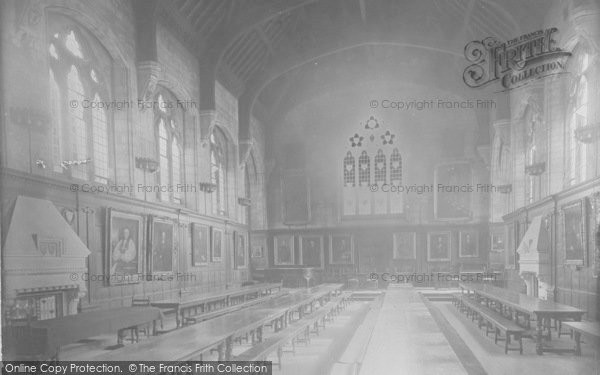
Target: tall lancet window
(364, 169)
(380, 167)
(349, 170)
(396, 167)
(169, 122)
(578, 113)
(80, 79)
(218, 170)
(534, 151)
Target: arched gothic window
(380, 167)
(349, 170)
(250, 180)
(364, 169)
(218, 170)
(533, 150)
(578, 117)
(169, 121)
(396, 167)
(80, 79)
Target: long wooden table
(191, 341)
(186, 304)
(72, 328)
(544, 311)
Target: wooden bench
(496, 321)
(587, 329)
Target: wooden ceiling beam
(268, 43)
(256, 48)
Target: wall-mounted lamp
(243, 201)
(535, 169)
(588, 134)
(207, 187)
(146, 164)
(66, 164)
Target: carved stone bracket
(148, 75)
(535, 169)
(588, 134)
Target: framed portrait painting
(216, 237)
(311, 251)
(258, 246)
(284, 250)
(468, 246)
(162, 246)
(200, 244)
(405, 245)
(125, 244)
(341, 249)
(574, 233)
(241, 250)
(439, 246)
(497, 242)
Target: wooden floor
(407, 340)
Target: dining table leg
(259, 334)
(228, 348)
(539, 335)
(177, 319)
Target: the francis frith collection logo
(516, 62)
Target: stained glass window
(380, 167)
(396, 167)
(364, 169)
(349, 170)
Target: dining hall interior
(326, 186)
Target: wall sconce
(146, 164)
(588, 134)
(243, 201)
(66, 164)
(207, 187)
(535, 169)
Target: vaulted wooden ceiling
(256, 43)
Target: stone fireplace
(44, 263)
(534, 259)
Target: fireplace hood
(42, 252)
(534, 255)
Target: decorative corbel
(148, 75)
